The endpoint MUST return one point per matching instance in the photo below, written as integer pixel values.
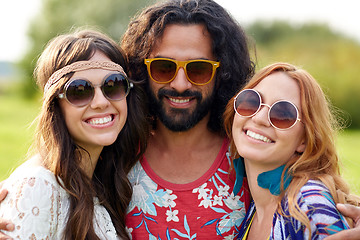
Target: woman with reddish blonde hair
(282, 134)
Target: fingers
(5, 225)
(4, 237)
(3, 193)
(350, 211)
(351, 234)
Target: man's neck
(183, 157)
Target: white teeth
(257, 136)
(179, 100)
(99, 121)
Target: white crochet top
(38, 206)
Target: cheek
(71, 116)
(154, 87)
(66, 111)
(292, 139)
(237, 128)
(123, 112)
(301, 143)
(209, 92)
(71, 124)
(238, 123)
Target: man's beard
(176, 119)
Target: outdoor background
(321, 36)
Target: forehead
(184, 42)
(279, 86)
(99, 56)
(94, 75)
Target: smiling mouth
(257, 136)
(176, 100)
(100, 121)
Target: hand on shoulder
(352, 234)
(4, 225)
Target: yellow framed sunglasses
(164, 70)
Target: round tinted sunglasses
(282, 114)
(80, 92)
(164, 70)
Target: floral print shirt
(204, 209)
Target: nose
(180, 82)
(99, 101)
(261, 117)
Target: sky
(342, 16)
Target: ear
(301, 148)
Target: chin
(106, 141)
(252, 155)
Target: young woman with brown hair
(91, 130)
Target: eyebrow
(201, 58)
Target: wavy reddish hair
(320, 160)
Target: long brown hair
(320, 160)
(63, 157)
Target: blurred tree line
(61, 16)
(333, 59)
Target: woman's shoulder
(316, 201)
(32, 185)
(34, 176)
(319, 205)
(314, 188)
(35, 202)
(315, 192)
(314, 185)
(39, 172)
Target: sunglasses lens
(199, 72)
(283, 115)
(247, 103)
(79, 92)
(162, 70)
(115, 87)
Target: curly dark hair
(229, 44)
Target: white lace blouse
(38, 207)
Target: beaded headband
(80, 66)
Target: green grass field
(16, 133)
(349, 151)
